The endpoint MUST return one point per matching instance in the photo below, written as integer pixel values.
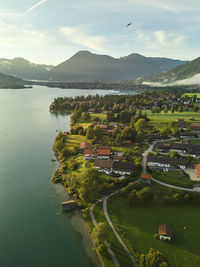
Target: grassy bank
(138, 224)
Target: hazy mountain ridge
(24, 69)
(9, 81)
(86, 66)
(182, 72)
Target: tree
(140, 125)
(89, 185)
(180, 109)
(98, 132)
(72, 164)
(89, 133)
(86, 116)
(99, 233)
(128, 133)
(110, 116)
(174, 155)
(153, 258)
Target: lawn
(173, 178)
(75, 140)
(191, 94)
(161, 120)
(138, 224)
(101, 116)
(195, 141)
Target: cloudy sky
(50, 31)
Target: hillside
(86, 66)
(24, 69)
(7, 81)
(182, 72)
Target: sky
(50, 31)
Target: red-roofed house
(85, 145)
(97, 153)
(146, 178)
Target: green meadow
(138, 224)
(161, 120)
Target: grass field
(138, 224)
(161, 120)
(101, 116)
(75, 140)
(115, 245)
(173, 178)
(191, 94)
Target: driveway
(192, 174)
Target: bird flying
(129, 24)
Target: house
(84, 145)
(122, 168)
(197, 169)
(168, 147)
(90, 154)
(97, 153)
(119, 157)
(165, 163)
(104, 165)
(193, 150)
(104, 153)
(154, 137)
(165, 232)
(195, 127)
(146, 178)
(187, 135)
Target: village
(150, 140)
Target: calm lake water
(33, 230)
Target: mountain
(24, 69)
(7, 81)
(185, 71)
(89, 67)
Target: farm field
(161, 120)
(138, 224)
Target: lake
(33, 230)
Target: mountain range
(85, 66)
(8, 81)
(189, 71)
(24, 69)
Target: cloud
(171, 5)
(80, 36)
(35, 6)
(162, 40)
(18, 37)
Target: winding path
(105, 210)
(112, 227)
(110, 252)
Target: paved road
(145, 154)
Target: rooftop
(146, 176)
(164, 229)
